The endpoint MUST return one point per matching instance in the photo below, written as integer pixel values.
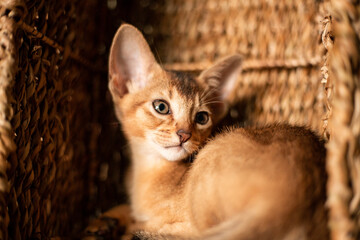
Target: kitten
(246, 183)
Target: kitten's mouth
(178, 147)
(174, 152)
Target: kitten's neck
(156, 182)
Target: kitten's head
(170, 111)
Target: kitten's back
(273, 176)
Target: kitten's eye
(202, 118)
(161, 107)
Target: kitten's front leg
(171, 231)
(183, 229)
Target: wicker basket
(62, 155)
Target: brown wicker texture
(343, 163)
(47, 98)
(7, 74)
(61, 151)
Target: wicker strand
(249, 65)
(343, 148)
(59, 48)
(33, 31)
(7, 145)
(328, 41)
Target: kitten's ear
(221, 79)
(131, 62)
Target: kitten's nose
(184, 136)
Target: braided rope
(249, 65)
(14, 15)
(327, 40)
(343, 161)
(7, 144)
(33, 31)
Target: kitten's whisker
(211, 91)
(208, 93)
(212, 102)
(204, 94)
(216, 101)
(158, 57)
(211, 99)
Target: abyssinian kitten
(245, 183)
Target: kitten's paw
(104, 228)
(113, 224)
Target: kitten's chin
(173, 154)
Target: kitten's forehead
(185, 84)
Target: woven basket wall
(62, 154)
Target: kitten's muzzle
(183, 135)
